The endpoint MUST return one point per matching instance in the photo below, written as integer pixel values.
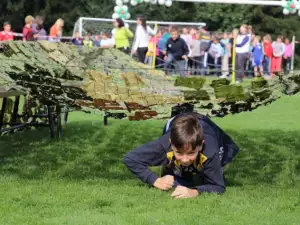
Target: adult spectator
(27, 29)
(242, 51)
(6, 34)
(122, 35)
(142, 33)
(56, 31)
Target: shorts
(257, 62)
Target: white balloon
(286, 11)
(153, 2)
(298, 13)
(119, 2)
(297, 5)
(117, 8)
(283, 3)
(168, 3)
(133, 2)
(125, 1)
(125, 8)
(115, 16)
(294, 11)
(126, 25)
(161, 2)
(128, 16)
(147, 1)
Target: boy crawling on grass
(192, 152)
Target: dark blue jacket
(219, 150)
(177, 48)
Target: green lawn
(81, 180)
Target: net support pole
(233, 78)
(293, 53)
(244, 2)
(80, 26)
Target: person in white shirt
(106, 41)
(140, 46)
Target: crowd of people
(185, 50)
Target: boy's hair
(29, 19)
(186, 132)
(174, 29)
(6, 23)
(106, 34)
(280, 37)
(258, 37)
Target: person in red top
(27, 30)
(6, 34)
(268, 52)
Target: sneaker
(223, 76)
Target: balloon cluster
(121, 10)
(290, 6)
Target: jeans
(267, 66)
(286, 65)
(241, 59)
(180, 65)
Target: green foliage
(191, 82)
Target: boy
(176, 51)
(106, 41)
(215, 54)
(6, 34)
(257, 56)
(27, 29)
(192, 151)
(87, 42)
(227, 54)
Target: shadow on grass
(89, 150)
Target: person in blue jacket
(192, 152)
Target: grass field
(81, 180)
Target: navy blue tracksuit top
(219, 150)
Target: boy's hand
(184, 192)
(164, 183)
(185, 57)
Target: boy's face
(279, 40)
(7, 27)
(87, 37)
(174, 35)
(186, 157)
(287, 41)
(185, 31)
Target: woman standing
(56, 31)
(242, 52)
(121, 35)
(142, 33)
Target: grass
(81, 180)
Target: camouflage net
(107, 79)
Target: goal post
(96, 25)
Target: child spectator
(242, 52)
(226, 55)
(186, 36)
(121, 36)
(287, 56)
(97, 41)
(38, 21)
(150, 54)
(27, 29)
(106, 41)
(268, 54)
(257, 56)
(161, 46)
(278, 51)
(196, 54)
(216, 52)
(56, 31)
(192, 154)
(77, 40)
(6, 34)
(87, 42)
(177, 52)
(40, 33)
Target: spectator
(161, 47)
(268, 54)
(278, 51)
(257, 57)
(287, 56)
(38, 21)
(242, 51)
(196, 54)
(87, 42)
(226, 55)
(151, 49)
(77, 40)
(107, 41)
(142, 33)
(216, 52)
(97, 41)
(121, 36)
(27, 29)
(6, 34)
(40, 33)
(186, 36)
(176, 52)
(56, 31)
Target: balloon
(147, 1)
(119, 2)
(125, 1)
(161, 2)
(133, 2)
(153, 2)
(125, 8)
(127, 16)
(117, 8)
(293, 11)
(286, 11)
(115, 16)
(168, 3)
(297, 5)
